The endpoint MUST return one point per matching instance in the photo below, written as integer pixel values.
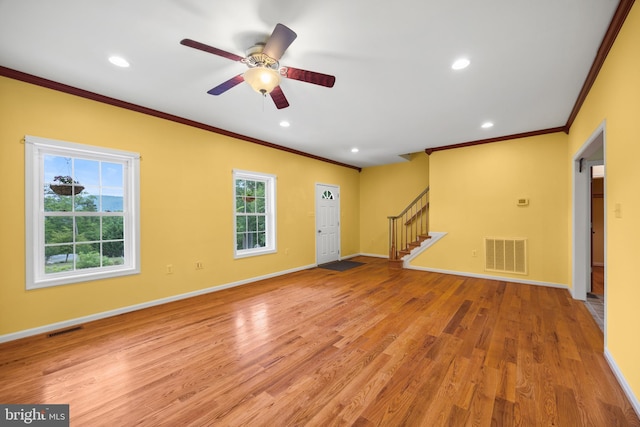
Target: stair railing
(410, 227)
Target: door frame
(316, 196)
(592, 152)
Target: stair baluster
(409, 229)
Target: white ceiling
(395, 91)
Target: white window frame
(270, 211)
(35, 150)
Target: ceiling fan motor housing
(256, 58)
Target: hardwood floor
(597, 282)
(368, 346)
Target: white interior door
(327, 223)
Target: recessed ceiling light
(354, 150)
(119, 61)
(487, 125)
(285, 124)
(461, 63)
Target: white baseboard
(342, 258)
(373, 255)
(435, 236)
(438, 236)
(85, 319)
(486, 276)
(623, 382)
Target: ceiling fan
(264, 70)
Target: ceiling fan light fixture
(262, 79)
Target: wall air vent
(64, 331)
(505, 255)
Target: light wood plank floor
(369, 346)
(597, 284)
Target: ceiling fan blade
(210, 49)
(223, 87)
(278, 98)
(280, 40)
(310, 77)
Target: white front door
(327, 223)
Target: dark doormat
(340, 265)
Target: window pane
(252, 240)
(86, 201)
(58, 229)
(260, 188)
(112, 175)
(240, 241)
(54, 202)
(241, 224)
(262, 240)
(86, 172)
(113, 253)
(252, 223)
(251, 204)
(261, 223)
(87, 228)
(56, 166)
(58, 258)
(112, 200)
(240, 208)
(112, 227)
(240, 187)
(260, 205)
(88, 255)
(251, 188)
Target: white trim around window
(254, 217)
(102, 222)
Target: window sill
(254, 252)
(79, 278)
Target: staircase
(409, 229)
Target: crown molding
(620, 15)
(496, 139)
(50, 84)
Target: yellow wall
(474, 192)
(615, 97)
(386, 191)
(186, 205)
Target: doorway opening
(595, 294)
(590, 155)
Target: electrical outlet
(169, 268)
(199, 265)
(474, 253)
